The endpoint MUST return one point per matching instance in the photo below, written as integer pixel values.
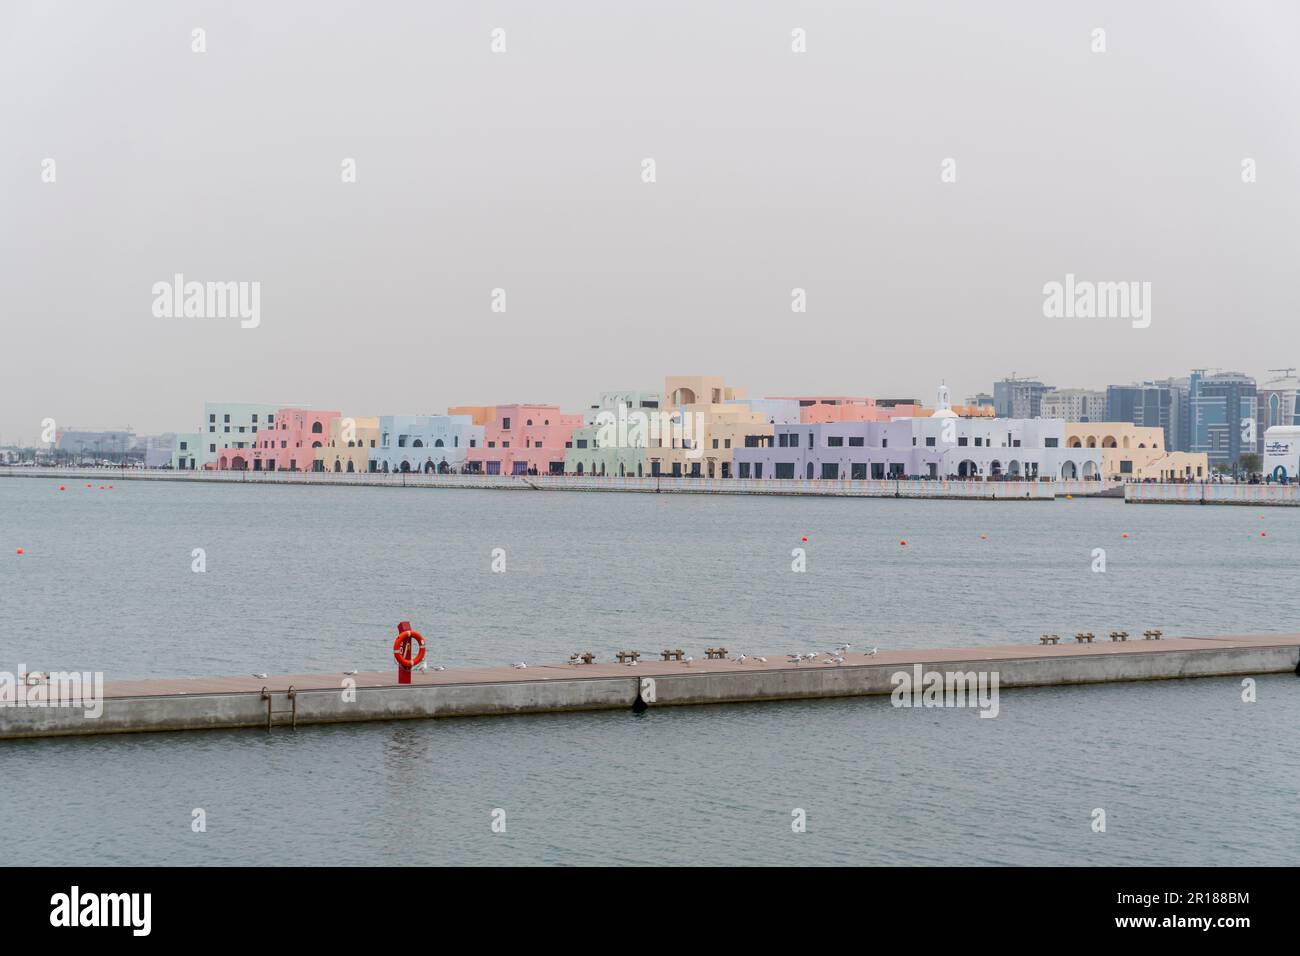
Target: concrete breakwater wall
(298, 700)
(1212, 494)
(971, 489)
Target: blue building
(1222, 415)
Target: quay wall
(1212, 494)
(973, 489)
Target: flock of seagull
(825, 657)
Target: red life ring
(397, 649)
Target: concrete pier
(954, 489)
(221, 703)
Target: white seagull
(687, 660)
(353, 673)
(873, 651)
(260, 676)
(439, 667)
(520, 665)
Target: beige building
(1074, 405)
(348, 448)
(710, 428)
(1136, 452)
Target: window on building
(744, 469)
(929, 442)
(835, 441)
(1049, 442)
(963, 440)
(505, 423)
(225, 418)
(830, 469)
(856, 441)
(212, 418)
(785, 469)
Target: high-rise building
(1019, 397)
(1222, 415)
(1278, 403)
(1155, 403)
(1075, 405)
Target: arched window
(315, 444)
(418, 443)
(437, 443)
(316, 428)
(530, 421)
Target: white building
(1282, 452)
(427, 443)
(232, 425)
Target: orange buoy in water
(19, 551)
(984, 537)
(60, 487)
(1125, 534)
(1263, 534)
(903, 542)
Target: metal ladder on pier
(291, 696)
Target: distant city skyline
(913, 178)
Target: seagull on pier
(761, 660)
(873, 651)
(519, 665)
(843, 647)
(260, 676)
(353, 673)
(687, 660)
(439, 667)
(741, 658)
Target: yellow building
(1135, 452)
(348, 449)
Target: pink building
(524, 439)
(293, 441)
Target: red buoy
(19, 551)
(902, 542)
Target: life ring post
(402, 648)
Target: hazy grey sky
(522, 170)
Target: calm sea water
(314, 579)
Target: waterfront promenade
(299, 699)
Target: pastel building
(424, 443)
(524, 439)
(349, 445)
(942, 445)
(187, 454)
(293, 442)
(232, 428)
(1135, 452)
(608, 442)
(712, 421)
